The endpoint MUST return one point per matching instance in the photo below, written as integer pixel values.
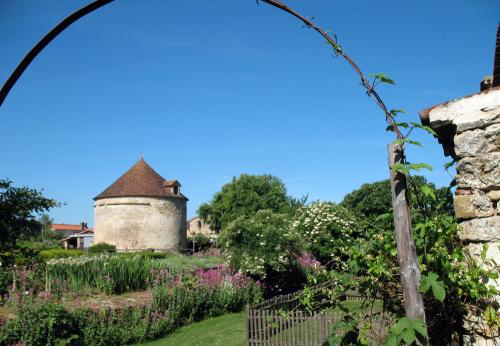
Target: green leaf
(383, 78)
(413, 142)
(395, 112)
(392, 340)
(425, 128)
(449, 164)
(409, 336)
(419, 166)
(484, 251)
(437, 286)
(406, 140)
(400, 167)
(428, 191)
(397, 124)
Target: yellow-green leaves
(406, 168)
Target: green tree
(373, 201)
(246, 195)
(18, 209)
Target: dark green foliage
(244, 196)
(48, 323)
(40, 323)
(373, 201)
(18, 206)
(102, 247)
(264, 246)
(5, 280)
(49, 254)
(370, 200)
(20, 255)
(201, 242)
(451, 279)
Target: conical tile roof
(140, 180)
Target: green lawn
(226, 330)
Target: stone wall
(140, 223)
(197, 226)
(469, 129)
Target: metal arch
(44, 42)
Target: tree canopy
(18, 209)
(244, 196)
(373, 200)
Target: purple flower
(307, 261)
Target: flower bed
(189, 297)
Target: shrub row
(47, 323)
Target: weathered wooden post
(407, 253)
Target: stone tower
(141, 211)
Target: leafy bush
(60, 253)
(451, 279)
(207, 293)
(40, 323)
(102, 247)
(20, 256)
(5, 280)
(328, 231)
(264, 247)
(201, 242)
(260, 243)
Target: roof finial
(142, 157)
(496, 62)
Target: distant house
(82, 240)
(197, 226)
(67, 230)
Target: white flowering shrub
(261, 243)
(328, 231)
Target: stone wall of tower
(140, 223)
(469, 129)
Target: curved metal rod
(44, 42)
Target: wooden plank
(281, 330)
(315, 331)
(266, 328)
(246, 322)
(252, 328)
(407, 254)
(257, 327)
(301, 327)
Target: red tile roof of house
(65, 227)
(140, 180)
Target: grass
(176, 259)
(226, 330)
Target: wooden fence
(279, 322)
(297, 328)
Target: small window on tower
(176, 190)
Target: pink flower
(307, 261)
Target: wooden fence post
(247, 330)
(407, 253)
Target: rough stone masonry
(469, 130)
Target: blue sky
(207, 90)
